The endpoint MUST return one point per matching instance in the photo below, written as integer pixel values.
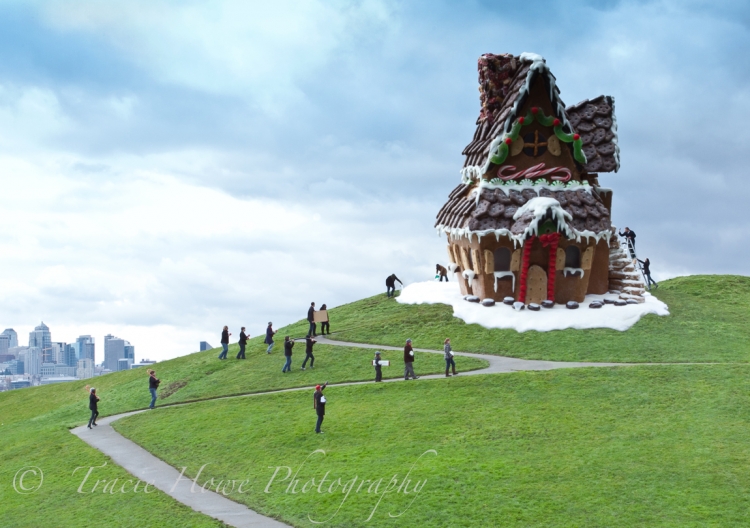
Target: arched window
(502, 259)
(572, 257)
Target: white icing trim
(452, 267)
(469, 275)
(457, 233)
(501, 274)
(615, 139)
(572, 271)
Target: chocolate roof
(496, 207)
(504, 85)
(595, 121)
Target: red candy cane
(537, 171)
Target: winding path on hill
(145, 466)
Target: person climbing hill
(390, 284)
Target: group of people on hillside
(629, 236)
(153, 384)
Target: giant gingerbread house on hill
(529, 219)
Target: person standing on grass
(288, 345)
(309, 343)
(153, 384)
(224, 342)
(319, 404)
(242, 343)
(269, 337)
(311, 320)
(409, 361)
(390, 284)
(378, 368)
(647, 272)
(93, 407)
(449, 358)
(324, 326)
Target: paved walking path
(145, 466)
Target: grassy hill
(35, 425)
(619, 447)
(707, 324)
(649, 445)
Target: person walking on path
(390, 284)
(153, 384)
(242, 343)
(378, 368)
(309, 343)
(311, 320)
(319, 404)
(93, 407)
(630, 238)
(324, 326)
(647, 272)
(442, 272)
(288, 345)
(409, 361)
(449, 358)
(269, 337)
(224, 342)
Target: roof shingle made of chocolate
(595, 121)
(495, 209)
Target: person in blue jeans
(224, 342)
(153, 384)
(311, 319)
(288, 345)
(269, 337)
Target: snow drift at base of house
(558, 318)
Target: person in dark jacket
(442, 271)
(224, 342)
(409, 361)
(243, 343)
(269, 337)
(311, 320)
(647, 272)
(378, 367)
(288, 345)
(93, 407)
(448, 358)
(319, 404)
(153, 384)
(325, 327)
(309, 344)
(630, 238)
(390, 284)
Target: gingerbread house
(529, 219)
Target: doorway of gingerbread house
(536, 285)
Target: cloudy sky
(171, 167)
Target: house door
(536, 289)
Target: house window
(535, 144)
(572, 257)
(502, 259)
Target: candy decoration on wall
(551, 240)
(537, 171)
(500, 153)
(525, 269)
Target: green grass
(708, 323)
(35, 425)
(629, 446)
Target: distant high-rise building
(58, 352)
(13, 337)
(85, 368)
(32, 360)
(4, 344)
(124, 363)
(205, 346)
(116, 349)
(70, 357)
(84, 347)
(41, 338)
